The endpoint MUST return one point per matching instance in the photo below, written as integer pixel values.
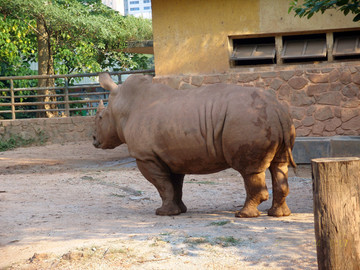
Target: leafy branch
(309, 7)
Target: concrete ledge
(307, 148)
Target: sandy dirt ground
(76, 207)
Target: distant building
(138, 8)
(117, 5)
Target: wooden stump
(336, 189)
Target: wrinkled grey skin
(171, 133)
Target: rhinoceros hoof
(279, 211)
(166, 211)
(247, 213)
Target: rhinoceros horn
(101, 105)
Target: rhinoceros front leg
(168, 185)
(279, 176)
(256, 192)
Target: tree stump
(336, 189)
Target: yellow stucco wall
(191, 36)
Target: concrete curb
(307, 148)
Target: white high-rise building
(117, 5)
(138, 8)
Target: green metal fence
(66, 97)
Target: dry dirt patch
(76, 207)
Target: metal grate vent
(253, 52)
(346, 46)
(307, 48)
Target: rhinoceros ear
(106, 82)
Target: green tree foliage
(308, 8)
(18, 46)
(17, 50)
(65, 36)
(84, 35)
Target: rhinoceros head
(105, 135)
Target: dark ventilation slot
(307, 48)
(253, 51)
(346, 45)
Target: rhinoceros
(172, 132)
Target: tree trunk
(336, 187)
(45, 67)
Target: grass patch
(159, 242)
(226, 241)
(88, 178)
(223, 241)
(202, 182)
(117, 195)
(219, 223)
(197, 240)
(16, 141)
(116, 251)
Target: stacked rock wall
(323, 100)
(52, 130)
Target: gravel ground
(73, 206)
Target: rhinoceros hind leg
(247, 212)
(168, 210)
(182, 207)
(279, 176)
(256, 192)
(279, 211)
(177, 181)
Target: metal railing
(65, 98)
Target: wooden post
(66, 98)
(336, 187)
(330, 46)
(278, 49)
(13, 114)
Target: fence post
(336, 189)
(67, 106)
(13, 114)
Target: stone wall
(324, 100)
(54, 130)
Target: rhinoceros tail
(106, 82)
(288, 134)
(290, 146)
